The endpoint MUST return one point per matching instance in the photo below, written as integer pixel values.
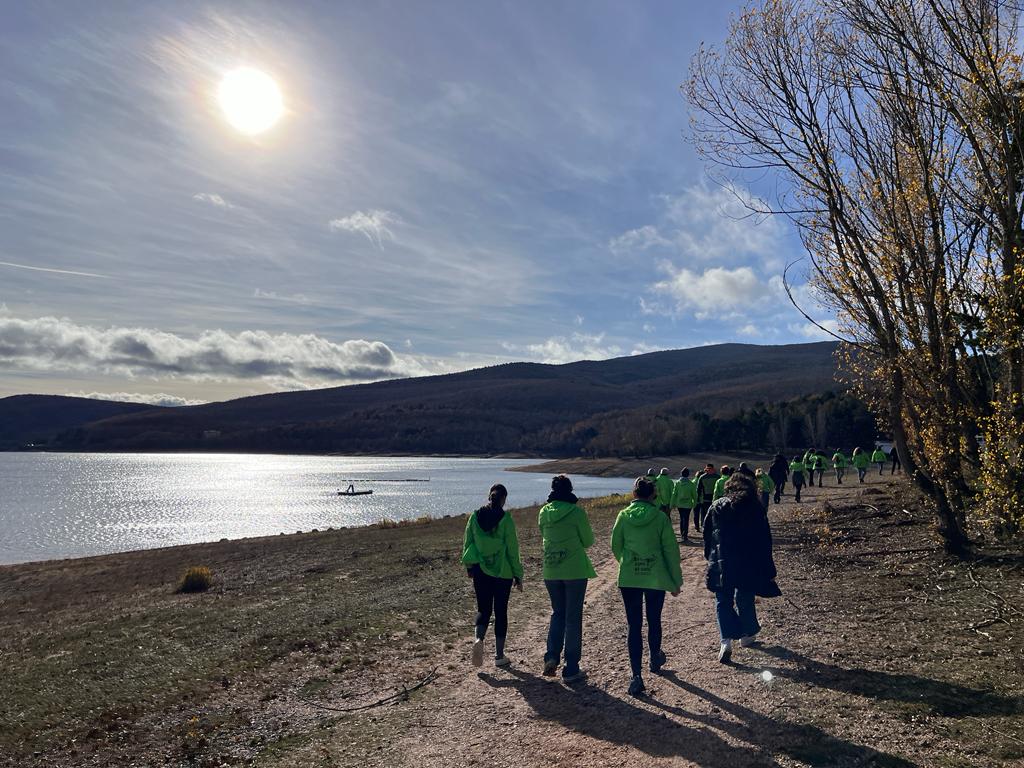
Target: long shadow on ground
(593, 712)
(943, 698)
(805, 743)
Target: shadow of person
(941, 697)
(806, 743)
(593, 712)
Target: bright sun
(250, 99)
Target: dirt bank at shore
(881, 652)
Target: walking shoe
(725, 652)
(478, 652)
(746, 642)
(550, 665)
(503, 661)
(657, 662)
(637, 687)
(576, 677)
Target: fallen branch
(399, 695)
(1004, 735)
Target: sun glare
(250, 99)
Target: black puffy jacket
(779, 470)
(738, 547)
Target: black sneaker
(657, 662)
(637, 687)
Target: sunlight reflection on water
(69, 505)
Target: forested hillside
(724, 396)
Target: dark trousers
(798, 483)
(492, 596)
(684, 522)
(861, 471)
(737, 617)
(634, 598)
(566, 627)
(699, 513)
(780, 486)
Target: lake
(59, 505)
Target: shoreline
(634, 467)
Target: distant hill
(28, 419)
(517, 407)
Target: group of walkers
(730, 506)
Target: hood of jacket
(556, 510)
(641, 513)
(488, 517)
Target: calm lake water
(57, 505)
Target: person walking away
(645, 547)
(745, 469)
(861, 461)
(490, 552)
(839, 464)
(705, 493)
(720, 483)
(765, 486)
(566, 535)
(738, 549)
(819, 467)
(879, 458)
(684, 498)
(895, 457)
(665, 488)
(797, 468)
(779, 473)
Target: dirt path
(698, 713)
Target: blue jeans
(736, 615)
(566, 628)
(861, 471)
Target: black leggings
(491, 596)
(634, 598)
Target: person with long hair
(490, 552)
(738, 548)
(566, 535)
(644, 544)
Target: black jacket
(738, 547)
(779, 469)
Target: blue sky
(452, 184)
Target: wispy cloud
(211, 198)
(53, 270)
(160, 398)
(373, 224)
(293, 298)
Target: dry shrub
(198, 578)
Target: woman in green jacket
(645, 547)
(566, 535)
(490, 552)
(861, 461)
(879, 458)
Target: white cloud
(161, 398)
(283, 360)
(567, 349)
(749, 330)
(293, 298)
(373, 224)
(52, 270)
(578, 320)
(212, 199)
(640, 239)
(716, 292)
(710, 224)
(649, 328)
(643, 348)
(813, 332)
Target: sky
(450, 185)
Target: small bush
(198, 578)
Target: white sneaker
(746, 642)
(478, 653)
(503, 661)
(725, 652)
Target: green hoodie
(797, 466)
(685, 496)
(706, 485)
(566, 533)
(719, 491)
(496, 551)
(861, 460)
(666, 489)
(879, 457)
(644, 543)
(766, 484)
(839, 460)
